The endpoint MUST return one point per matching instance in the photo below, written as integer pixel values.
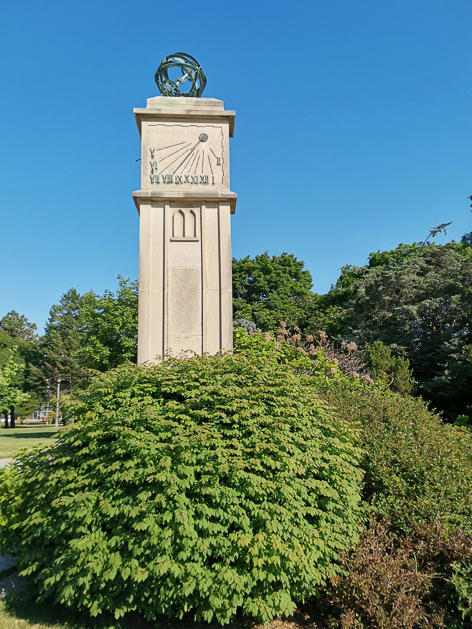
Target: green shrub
(393, 370)
(303, 353)
(207, 485)
(417, 469)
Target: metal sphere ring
(191, 72)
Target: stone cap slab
(181, 195)
(185, 107)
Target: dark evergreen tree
(18, 327)
(60, 346)
(417, 300)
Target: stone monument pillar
(184, 204)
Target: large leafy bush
(205, 485)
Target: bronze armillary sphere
(191, 71)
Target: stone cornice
(204, 109)
(183, 195)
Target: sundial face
(179, 155)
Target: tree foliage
(87, 332)
(60, 346)
(417, 300)
(18, 327)
(385, 366)
(110, 326)
(268, 290)
(207, 485)
(11, 395)
(18, 348)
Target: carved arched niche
(184, 225)
(178, 224)
(191, 224)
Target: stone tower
(184, 205)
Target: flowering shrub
(343, 356)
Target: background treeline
(408, 311)
(83, 333)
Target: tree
(19, 343)
(386, 367)
(268, 290)
(417, 300)
(87, 332)
(60, 346)
(467, 239)
(110, 326)
(18, 327)
(10, 394)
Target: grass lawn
(33, 616)
(21, 612)
(37, 618)
(7, 621)
(14, 439)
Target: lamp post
(47, 405)
(57, 401)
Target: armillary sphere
(191, 72)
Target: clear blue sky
(353, 129)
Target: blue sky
(353, 130)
